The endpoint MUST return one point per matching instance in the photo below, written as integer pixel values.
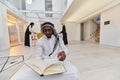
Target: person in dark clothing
(64, 34)
(28, 33)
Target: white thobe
(45, 46)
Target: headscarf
(49, 24)
(31, 24)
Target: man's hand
(61, 56)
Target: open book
(43, 68)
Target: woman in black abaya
(28, 33)
(64, 34)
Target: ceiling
(84, 9)
(44, 9)
(78, 11)
(41, 9)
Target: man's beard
(48, 36)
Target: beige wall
(110, 34)
(73, 31)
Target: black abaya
(27, 37)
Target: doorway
(16, 30)
(82, 32)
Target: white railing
(94, 36)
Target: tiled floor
(94, 61)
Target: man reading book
(50, 45)
(49, 48)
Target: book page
(44, 68)
(54, 69)
(37, 65)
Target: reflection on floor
(94, 61)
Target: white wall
(4, 37)
(16, 4)
(86, 30)
(110, 34)
(36, 27)
(38, 22)
(73, 31)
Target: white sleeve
(39, 50)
